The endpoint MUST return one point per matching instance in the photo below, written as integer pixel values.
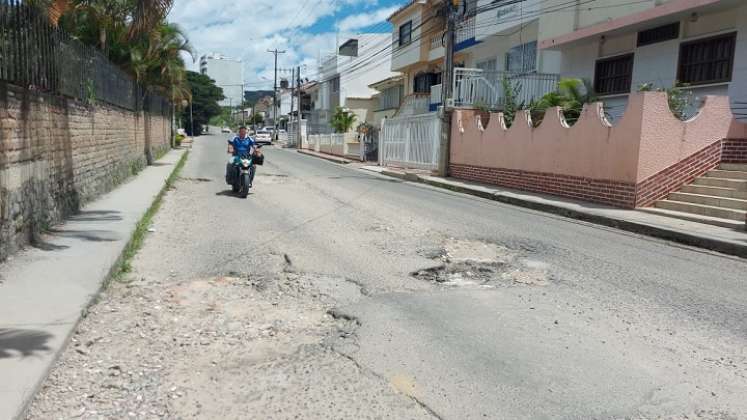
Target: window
(613, 75)
(487, 65)
(390, 97)
(335, 84)
(422, 82)
(522, 58)
(708, 60)
(659, 34)
(405, 34)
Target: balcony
(476, 87)
(436, 50)
(414, 104)
(465, 33)
(435, 98)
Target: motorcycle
(241, 173)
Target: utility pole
(275, 91)
(299, 138)
(293, 86)
(446, 88)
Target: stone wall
(57, 154)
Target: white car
(225, 130)
(263, 137)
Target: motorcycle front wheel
(244, 185)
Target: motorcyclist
(241, 145)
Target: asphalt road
(462, 307)
(621, 325)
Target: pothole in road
(477, 263)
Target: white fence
(475, 87)
(411, 142)
(335, 144)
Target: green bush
(178, 139)
(680, 100)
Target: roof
(403, 8)
(389, 81)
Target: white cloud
(246, 29)
(363, 20)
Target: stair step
(709, 200)
(714, 191)
(727, 174)
(703, 210)
(738, 185)
(714, 221)
(742, 167)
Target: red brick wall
(734, 151)
(613, 193)
(682, 173)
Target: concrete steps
(718, 198)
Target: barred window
(613, 75)
(522, 58)
(708, 60)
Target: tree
(205, 97)
(342, 120)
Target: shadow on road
(25, 342)
(229, 193)
(97, 216)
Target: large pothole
(482, 264)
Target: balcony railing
(437, 41)
(465, 29)
(414, 104)
(435, 95)
(476, 87)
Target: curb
(680, 237)
(93, 298)
(330, 158)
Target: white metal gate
(411, 142)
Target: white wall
(356, 73)
(657, 63)
(408, 54)
(738, 86)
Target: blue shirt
(242, 146)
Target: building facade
(698, 44)
(228, 74)
(344, 79)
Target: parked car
(263, 137)
(225, 130)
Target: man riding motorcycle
(241, 145)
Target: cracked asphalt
(335, 293)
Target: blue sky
(246, 29)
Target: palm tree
(342, 121)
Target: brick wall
(735, 151)
(619, 194)
(594, 190)
(682, 173)
(56, 154)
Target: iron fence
(38, 56)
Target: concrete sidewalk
(44, 290)
(325, 156)
(716, 238)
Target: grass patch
(124, 265)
